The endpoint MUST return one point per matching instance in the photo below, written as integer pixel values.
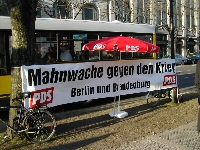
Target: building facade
(157, 12)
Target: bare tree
(61, 9)
(22, 15)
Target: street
(185, 75)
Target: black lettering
(174, 67)
(122, 71)
(73, 92)
(115, 87)
(158, 67)
(87, 75)
(110, 72)
(54, 76)
(100, 72)
(63, 76)
(164, 67)
(115, 71)
(87, 90)
(72, 75)
(37, 77)
(103, 89)
(34, 79)
(45, 77)
(81, 74)
(122, 86)
(169, 67)
(145, 69)
(139, 69)
(125, 70)
(131, 70)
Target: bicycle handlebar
(22, 95)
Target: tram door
(5, 78)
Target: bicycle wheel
(39, 126)
(152, 98)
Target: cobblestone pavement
(182, 138)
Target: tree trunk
(22, 14)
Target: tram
(51, 34)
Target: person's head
(37, 49)
(50, 49)
(62, 48)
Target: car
(190, 59)
(194, 57)
(179, 59)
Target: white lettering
(99, 46)
(43, 97)
(153, 48)
(132, 48)
(168, 80)
(49, 97)
(36, 97)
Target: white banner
(59, 84)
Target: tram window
(143, 55)
(79, 56)
(127, 55)
(110, 55)
(94, 55)
(88, 55)
(2, 71)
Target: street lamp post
(172, 28)
(174, 92)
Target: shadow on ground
(69, 129)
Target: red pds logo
(41, 97)
(169, 80)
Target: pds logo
(169, 80)
(41, 97)
(99, 46)
(132, 48)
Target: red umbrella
(122, 44)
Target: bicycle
(153, 97)
(37, 124)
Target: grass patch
(171, 103)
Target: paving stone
(182, 138)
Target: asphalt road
(186, 75)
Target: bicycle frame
(21, 108)
(32, 121)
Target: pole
(174, 93)
(172, 28)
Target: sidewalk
(182, 138)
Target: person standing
(188, 52)
(38, 57)
(197, 84)
(65, 54)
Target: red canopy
(122, 44)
